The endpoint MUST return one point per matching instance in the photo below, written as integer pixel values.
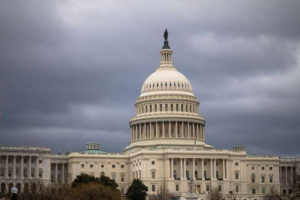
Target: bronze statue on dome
(166, 34)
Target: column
(56, 174)
(163, 129)
(215, 174)
(202, 169)
(286, 180)
(182, 126)
(181, 174)
(22, 167)
(223, 166)
(193, 169)
(157, 130)
(188, 127)
(145, 131)
(131, 138)
(184, 168)
(151, 134)
(167, 167)
(63, 173)
(170, 130)
(193, 126)
(203, 132)
(227, 169)
(36, 168)
(172, 176)
(197, 131)
(6, 167)
(14, 168)
(29, 168)
(140, 131)
(292, 174)
(176, 131)
(211, 169)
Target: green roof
(94, 151)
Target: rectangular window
(177, 188)
(150, 108)
(160, 109)
(207, 188)
(113, 177)
(174, 162)
(237, 188)
(236, 175)
(82, 165)
(153, 175)
(40, 161)
(122, 166)
(181, 107)
(262, 168)
(153, 162)
(122, 178)
(263, 190)
(155, 107)
(91, 165)
(113, 166)
(270, 168)
(166, 107)
(171, 107)
(122, 190)
(236, 164)
(187, 162)
(253, 191)
(262, 179)
(271, 179)
(153, 188)
(220, 188)
(176, 107)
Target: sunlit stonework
(167, 146)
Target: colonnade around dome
(167, 129)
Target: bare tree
(214, 194)
(272, 195)
(162, 193)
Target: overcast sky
(71, 71)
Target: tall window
(181, 107)
(207, 188)
(236, 175)
(160, 107)
(237, 188)
(205, 174)
(271, 179)
(113, 177)
(153, 188)
(122, 177)
(153, 174)
(263, 179)
(150, 108)
(171, 107)
(263, 190)
(186, 108)
(196, 174)
(253, 178)
(253, 191)
(174, 174)
(217, 174)
(187, 174)
(166, 107)
(220, 188)
(176, 107)
(177, 188)
(155, 107)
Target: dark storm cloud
(71, 71)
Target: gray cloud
(71, 71)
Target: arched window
(102, 174)
(253, 178)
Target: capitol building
(167, 147)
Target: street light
(14, 192)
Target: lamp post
(14, 192)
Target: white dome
(167, 80)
